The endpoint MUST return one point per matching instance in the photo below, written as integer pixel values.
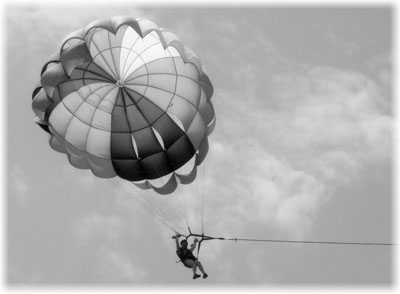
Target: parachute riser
(202, 237)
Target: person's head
(184, 244)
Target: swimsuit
(185, 254)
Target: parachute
(125, 99)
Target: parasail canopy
(124, 98)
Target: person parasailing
(186, 256)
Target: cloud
(380, 67)
(55, 22)
(282, 149)
(322, 118)
(330, 112)
(260, 189)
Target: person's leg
(198, 263)
(192, 264)
(201, 269)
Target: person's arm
(193, 246)
(176, 237)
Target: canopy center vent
(120, 83)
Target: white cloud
(283, 150)
(380, 68)
(330, 111)
(261, 189)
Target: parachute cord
(300, 241)
(180, 208)
(182, 198)
(198, 200)
(174, 207)
(157, 213)
(206, 238)
(203, 198)
(196, 203)
(166, 210)
(155, 208)
(307, 242)
(179, 205)
(200, 203)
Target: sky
(302, 150)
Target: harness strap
(198, 246)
